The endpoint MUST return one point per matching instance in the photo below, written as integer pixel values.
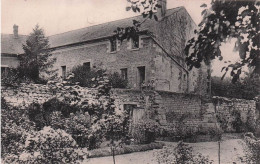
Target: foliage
(237, 123)
(223, 121)
(222, 21)
(14, 126)
(86, 77)
(147, 9)
(145, 131)
(13, 77)
(181, 154)
(116, 81)
(77, 125)
(41, 114)
(49, 146)
(257, 128)
(253, 150)
(35, 64)
(247, 88)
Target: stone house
(156, 60)
(11, 48)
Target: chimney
(162, 10)
(15, 30)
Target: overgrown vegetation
(246, 88)
(21, 142)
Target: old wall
(228, 107)
(27, 94)
(167, 108)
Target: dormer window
(113, 45)
(135, 42)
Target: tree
(36, 60)
(222, 21)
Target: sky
(58, 16)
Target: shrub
(86, 77)
(116, 81)
(41, 114)
(253, 150)
(257, 128)
(221, 118)
(237, 123)
(49, 146)
(78, 125)
(181, 154)
(145, 131)
(15, 124)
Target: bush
(86, 77)
(49, 146)
(145, 131)
(41, 114)
(237, 123)
(257, 128)
(253, 150)
(15, 125)
(116, 81)
(181, 154)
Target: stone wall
(167, 108)
(228, 107)
(27, 94)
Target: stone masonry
(168, 107)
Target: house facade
(11, 48)
(156, 60)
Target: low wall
(167, 108)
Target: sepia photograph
(130, 82)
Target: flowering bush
(48, 146)
(15, 125)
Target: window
(86, 65)
(113, 45)
(135, 42)
(124, 73)
(63, 69)
(141, 73)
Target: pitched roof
(12, 45)
(101, 30)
